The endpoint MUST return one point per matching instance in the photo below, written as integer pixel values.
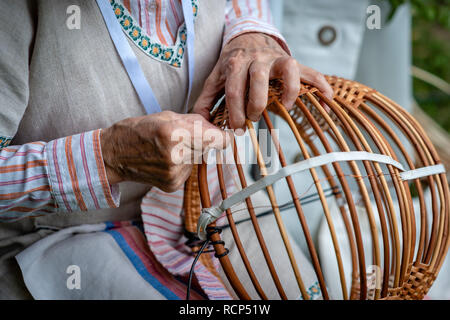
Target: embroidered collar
(172, 55)
(4, 141)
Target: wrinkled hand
(158, 149)
(250, 60)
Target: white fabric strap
(190, 45)
(131, 63)
(210, 215)
(422, 172)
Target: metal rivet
(327, 35)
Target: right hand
(143, 150)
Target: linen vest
(78, 83)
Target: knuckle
(293, 87)
(233, 93)
(256, 105)
(318, 77)
(290, 62)
(234, 64)
(210, 83)
(165, 131)
(168, 114)
(260, 56)
(258, 74)
(198, 117)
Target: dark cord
(290, 204)
(209, 232)
(205, 244)
(194, 241)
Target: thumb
(207, 98)
(215, 138)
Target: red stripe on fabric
(58, 176)
(23, 167)
(161, 218)
(158, 23)
(172, 213)
(240, 23)
(161, 236)
(10, 149)
(86, 171)
(260, 14)
(151, 264)
(140, 13)
(175, 14)
(249, 8)
(14, 195)
(73, 174)
(162, 252)
(22, 181)
(163, 228)
(126, 3)
(161, 243)
(166, 194)
(2, 208)
(137, 243)
(236, 8)
(147, 17)
(38, 143)
(101, 169)
(28, 209)
(170, 204)
(168, 30)
(19, 154)
(175, 263)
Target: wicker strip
(357, 118)
(192, 208)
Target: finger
(205, 135)
(287, 69)
(317, 80)
(258, 89)
(212, 87)
(215, 138)
(235, 89)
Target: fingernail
(288, 106)
(239, 132)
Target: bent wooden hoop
(359, 119)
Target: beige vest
(78, 83)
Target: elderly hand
(158, 149)
(250, 60)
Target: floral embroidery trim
(4, 141)
(172, 55)
(313, 291)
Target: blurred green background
(431, 52)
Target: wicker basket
(363, 120)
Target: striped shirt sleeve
(242, 16)
(64, 175)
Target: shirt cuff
(77, 174)
(245, 25)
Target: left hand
(249, 61)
